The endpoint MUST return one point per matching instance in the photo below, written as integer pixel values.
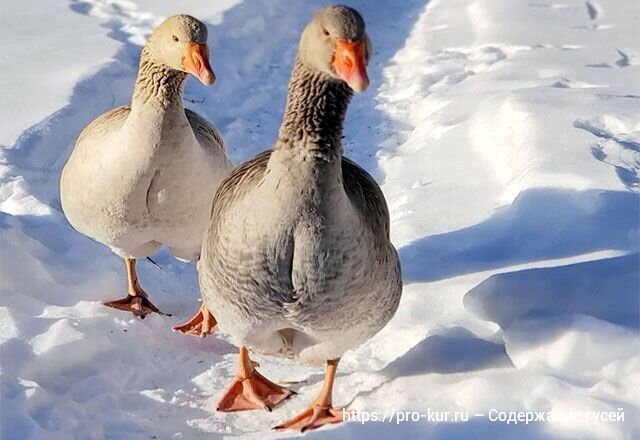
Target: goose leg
(321, 411)
(251, 390)
(202, 324)
(137, 300)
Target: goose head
(180, 42)
(336, 43)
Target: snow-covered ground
(506, 137)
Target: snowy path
(506, 137)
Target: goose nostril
(197, 63)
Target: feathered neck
(314, 115)
(157, 84)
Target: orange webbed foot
(202, 324)
(251, 390)
(321, 411)
(254, 392)
(137, 301)
(314, 417)
(138, 305)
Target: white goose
(144, 176)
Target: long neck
(157, 85)
(314, 114)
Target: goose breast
(277, 268)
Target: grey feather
(297, 259)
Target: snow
(506, 137)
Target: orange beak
(196, 62)
(349, 62)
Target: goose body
(297, 260)
(299, 264)
(137, 180)
(144, 176)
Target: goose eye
(176, 39)
(326, 32)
